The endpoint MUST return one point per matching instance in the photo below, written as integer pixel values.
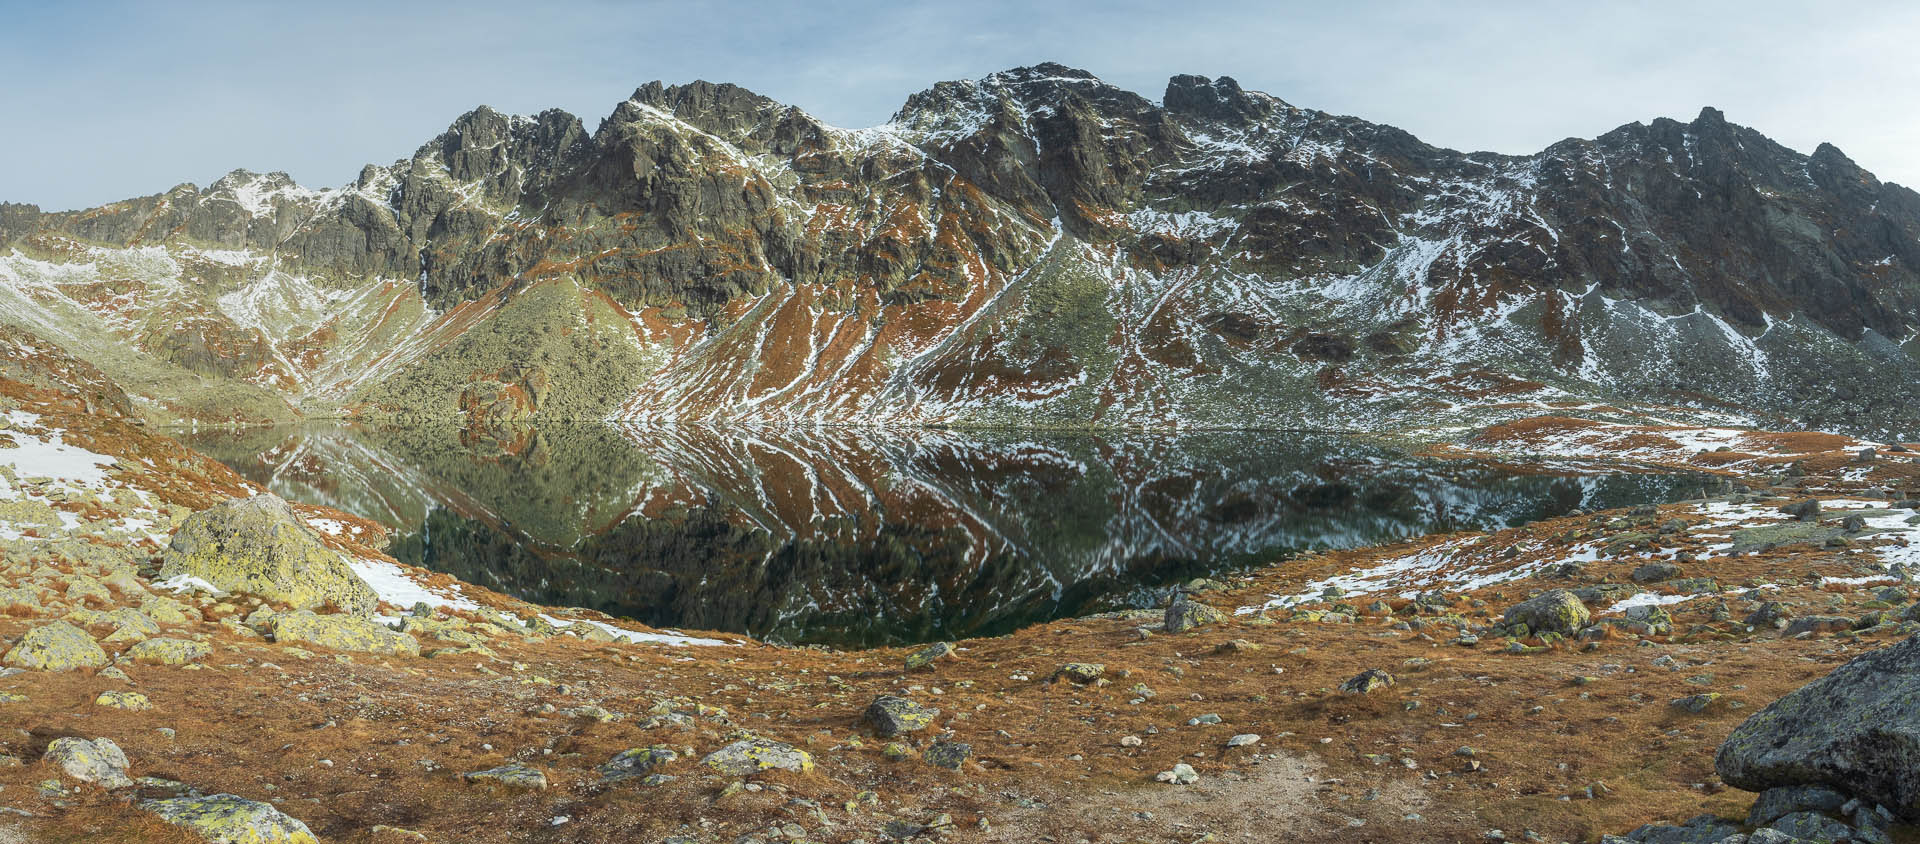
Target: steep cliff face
(1033, 247)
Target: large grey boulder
(1557, 611)
(261, 547)
(1856, 730)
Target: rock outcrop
(1856, 731)
(259, 546)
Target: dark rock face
(1856, 731)
(1009, 228)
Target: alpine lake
(857, 537)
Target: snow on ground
(637, 636)
(1451, 565)
(186, 583)
(392, 584)
(45, 456)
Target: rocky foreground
(186, 659)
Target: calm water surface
(862, 537)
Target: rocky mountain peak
(1220, 100)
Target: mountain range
(1033, 248)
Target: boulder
(891, 715)
(342, 633)
(928, 655)
(1655, 572)
(1556, 611)
(259, 546)
(1779, 802)
(56, 647)
(510, 775)
(99, 761)
(229, 819)
(754, 755)
(1367, 681)
(1184, 614)
(1856, 730)
(168, 651)
(635, 762)
(948, 754)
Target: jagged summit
(1035, 245)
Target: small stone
(1243, 740)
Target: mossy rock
(56, 647)
(341, 633)
(230, 819)
(259, 546)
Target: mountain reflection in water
(863, 537)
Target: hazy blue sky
(110, 100)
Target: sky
(109, 100)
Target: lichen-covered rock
(56, 647)
(1184, 614)
(1555, 611)
(230, 819)
(754, 755)
(1366, 682)
(20, 600)
(130, 625)
(636, 762)
(891, 715)
(1856, 730)
(510, 775)
(97, 761)
(167, 651)
(948, 754)
(927, 655)
(1080, 672)
(341, 633)
(261, 547)
(123, 700)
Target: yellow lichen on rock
(259, 546)
(341, 633)
(230, 819)
(56, 647)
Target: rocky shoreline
(188, 660)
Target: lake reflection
(862, 537)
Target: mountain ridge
(1032, 247)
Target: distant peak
(1214, 99)
(1710, 116)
